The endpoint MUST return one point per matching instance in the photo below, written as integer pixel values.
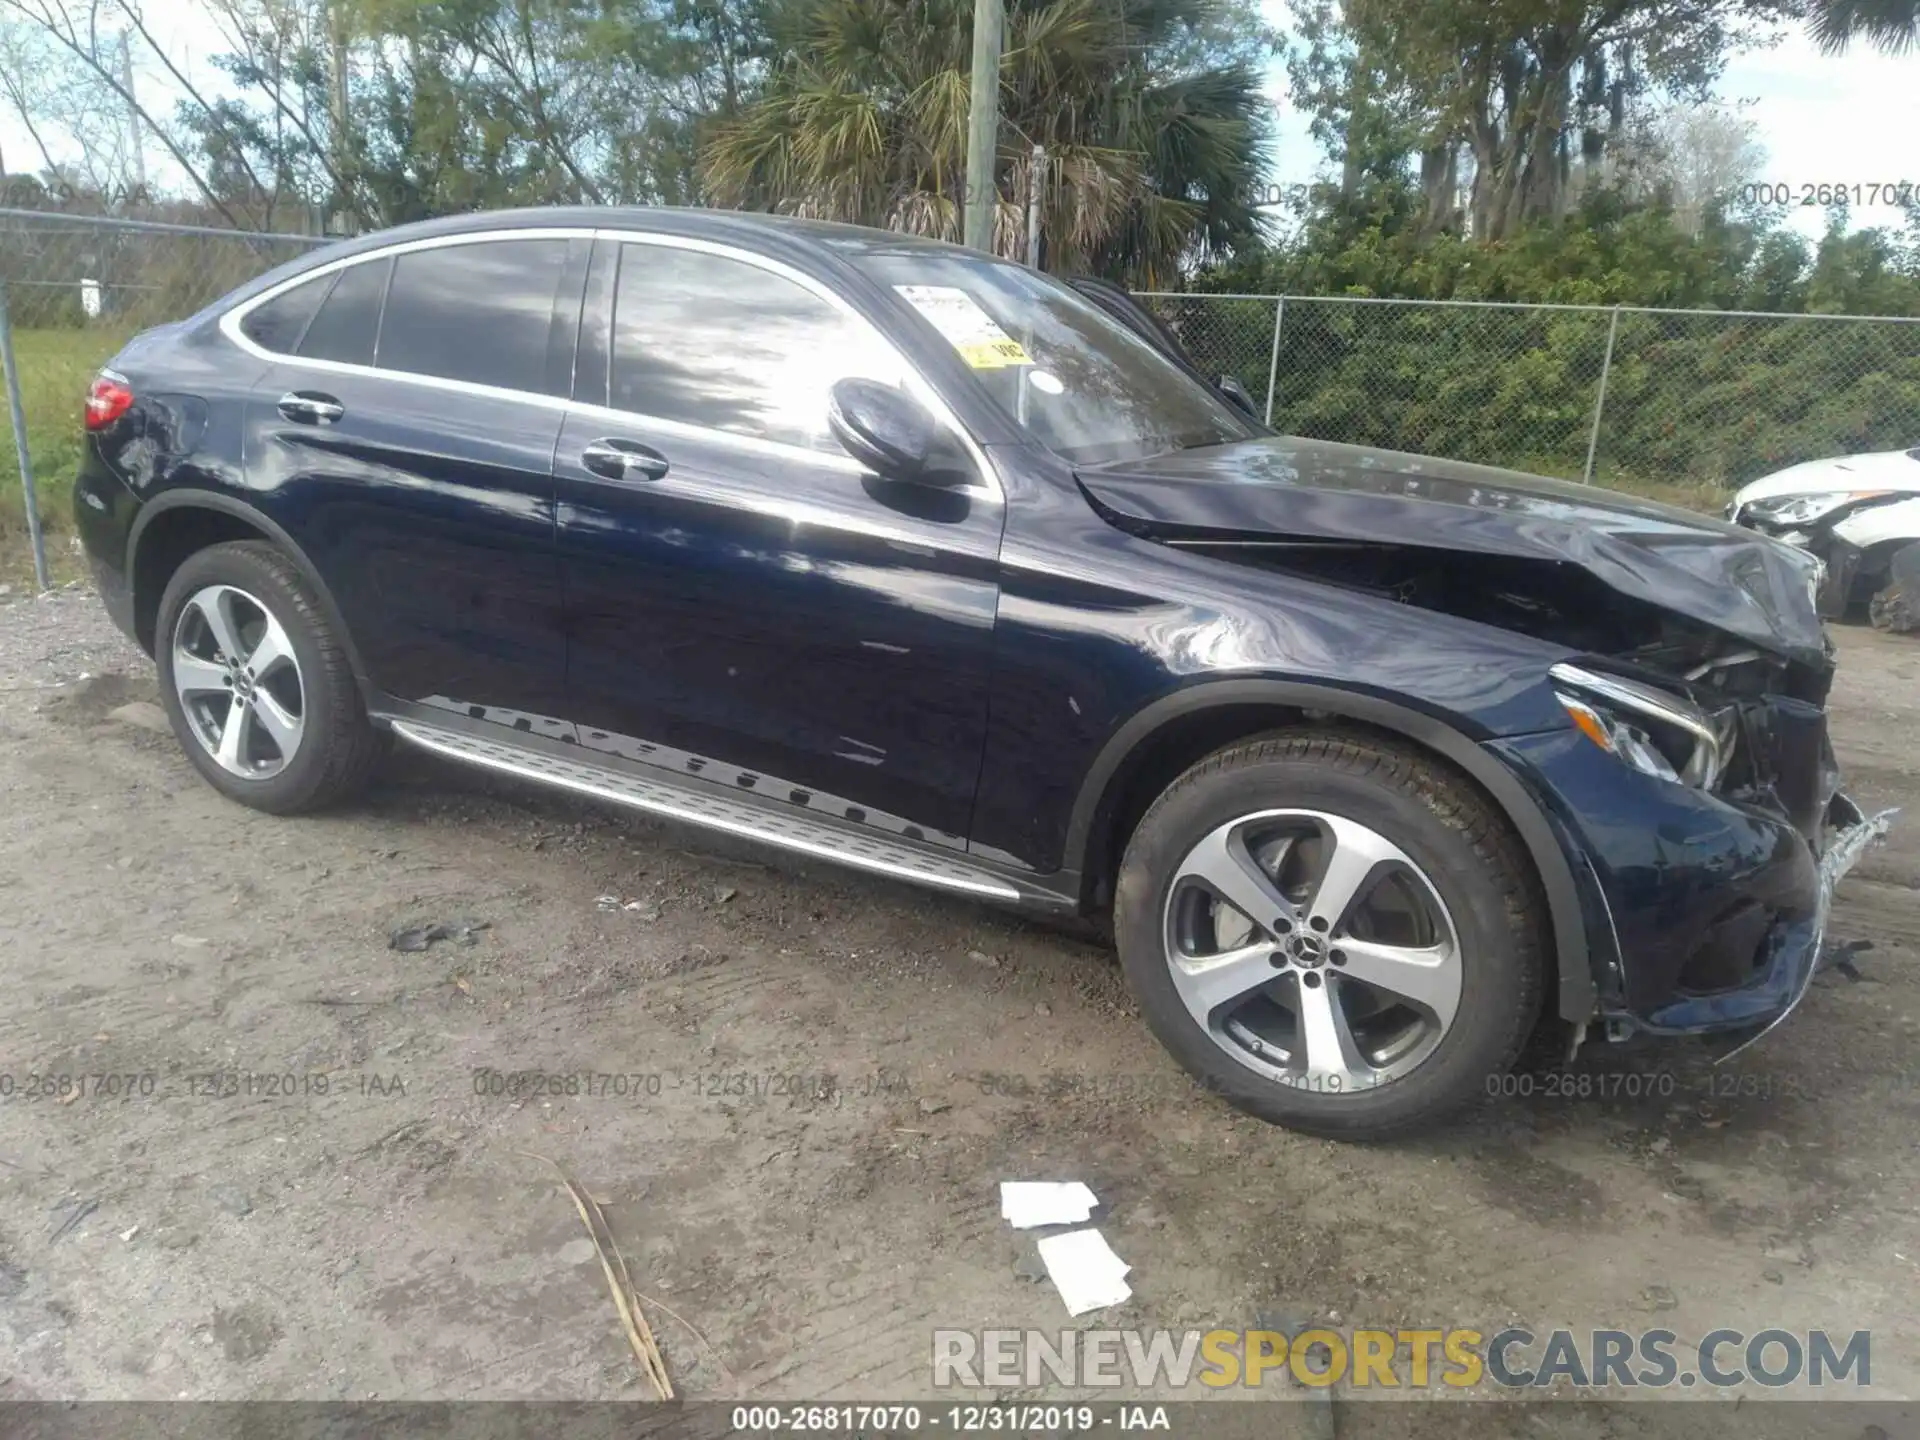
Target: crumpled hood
(1288, 488)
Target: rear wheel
(1335, 932)
(257, 683)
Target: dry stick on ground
(614, 1265)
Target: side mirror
(882, 427)
(1230, 387)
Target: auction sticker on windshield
(969, 329)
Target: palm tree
(1889, 25)
(1155, 130)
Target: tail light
(108, 399)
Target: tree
(82, 41)
(1527, 91)
(1692, 158)
(1890, 25)
(1155, 129)
(77, 125)
(374, 112)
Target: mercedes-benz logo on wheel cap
(1306, 949)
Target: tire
(1896, 607)
(1448, 885)
(254, 596)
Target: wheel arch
(1178, 729)
(172, 526)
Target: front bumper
(1705, 912)
(1849, 832)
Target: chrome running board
(799, 833)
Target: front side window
(712, 341)
(1076, 379)
(478, 312)
(348, 321)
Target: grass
(56, 367)
(1709, 497)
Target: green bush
(1692, 400)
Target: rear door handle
(624, 460)
(310, 407)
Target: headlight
(1654, 731)
(1805, 509)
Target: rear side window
(712, 341)
(481, 313)
(349, 318)
(279, 324)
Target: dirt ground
(814, 1082)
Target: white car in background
(1861, 515)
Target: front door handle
(624, 460)
(310, 407)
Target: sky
(1851, 120)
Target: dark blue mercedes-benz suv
(890, 553)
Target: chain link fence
(73, 290)
(1679, 403)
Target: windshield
(1077, 380)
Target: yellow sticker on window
(995, 354)
(968, 328)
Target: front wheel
(1895, 608)
(1335, 932)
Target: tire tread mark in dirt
(722, 987)
(898, 1324)
(822, 1318)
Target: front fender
(1093, 811)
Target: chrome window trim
(916, 383)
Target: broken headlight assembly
(1655, 731)
(1795, 510)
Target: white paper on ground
(1027, 1203)
(1084, 1269)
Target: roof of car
(802, 241)
(679, 220)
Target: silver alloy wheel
(238, 682)
(1312, 950)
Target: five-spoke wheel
(1334, 930)
(1313, 949)
(238, 681)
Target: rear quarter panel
(183, 432)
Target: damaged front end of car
(1693, 787)
(1727, 927)
(1697, 786)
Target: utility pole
(133, 121)
(1036, 194)
(337, 114)
(983, 127)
